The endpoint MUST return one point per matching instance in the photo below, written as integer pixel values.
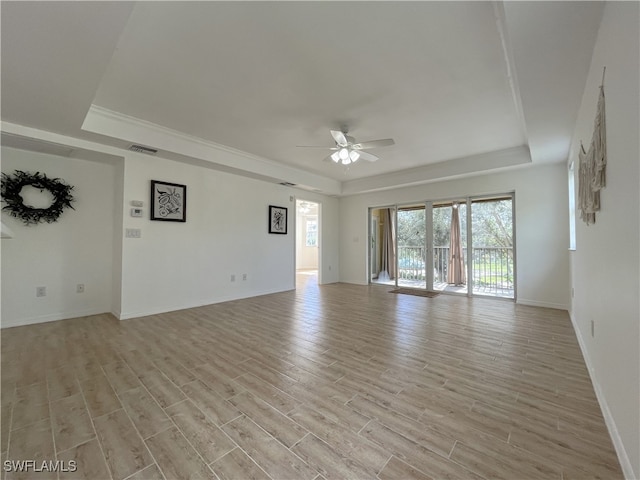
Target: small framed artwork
(277, 220)
(168, 201)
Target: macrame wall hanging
(12, 186)
(593, 163)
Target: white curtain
(388, 245)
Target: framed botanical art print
(277, 220)
(168, 201)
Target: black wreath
(12, 186)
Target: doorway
(307, 238)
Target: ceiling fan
(348, 151)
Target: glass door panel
(450, 246)
(492, 255)
(411, 246)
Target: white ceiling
(455, 82)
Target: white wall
(76, 249)
(173, 265)
(181, 265)
(605, 266)
(117, 234)
(542, 236)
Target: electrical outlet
(233, 277)
(244, 277)
(593, 328)
(41, 291)
(133, 233)
(80, 288)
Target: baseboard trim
(623, 457)
(536, 303)
(53, 317)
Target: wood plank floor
(338, 381)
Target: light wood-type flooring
(338, 381)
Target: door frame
(297, 199)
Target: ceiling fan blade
(317, 146)
(369, 157)
(385, 142)
(340, 138)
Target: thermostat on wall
(137, 203)
(136, 212)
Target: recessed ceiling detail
(446, 80)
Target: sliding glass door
(426, 246)
(486, 224)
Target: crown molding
(435, 172)
(181, 147)
(113, 124)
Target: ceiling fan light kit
(345, 156)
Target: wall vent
(288, 184)
(143, 149)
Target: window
(312, 233)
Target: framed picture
(277, 220)
(168, 201)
